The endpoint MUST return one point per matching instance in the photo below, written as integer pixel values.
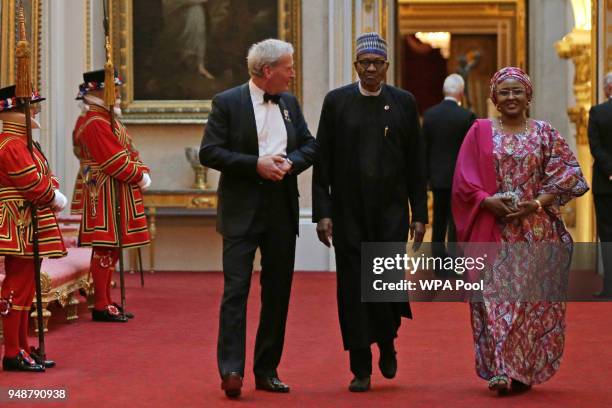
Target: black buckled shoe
(22, 362)
(129, 315)
(231, 384)
(360, 384)
(109, 314)
(39, 360)
(272, 384)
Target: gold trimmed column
(577, 46)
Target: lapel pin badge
(286, 114)
(387, 107)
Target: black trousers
(603, 210)
(442, 221)
(273, 232)
(361, 359)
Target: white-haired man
(444, 127)
(257, 138)
(600, 140)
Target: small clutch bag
(509, 195)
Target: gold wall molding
(451, 2)
(368, 16)
(88, 56)
(607, 36)
(372, 16)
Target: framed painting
(8, 11)
(175, 55)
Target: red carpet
(166, 356)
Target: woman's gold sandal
(500, 383)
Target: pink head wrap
(514, 73)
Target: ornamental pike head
(23, 79)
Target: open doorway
(473, 38)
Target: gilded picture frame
(607, 45)
(183, 97)
(8, 10)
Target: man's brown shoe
(231, 384)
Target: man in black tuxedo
(444, 127)
(257, 138)
(600, 140)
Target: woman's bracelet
(539, 203)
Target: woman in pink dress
(512, 176)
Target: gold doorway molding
(504, 18)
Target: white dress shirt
(271, 130)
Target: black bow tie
(271, 98)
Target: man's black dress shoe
(232, 383)
(129, 315)
(272, 384)
(108, 315)
(604, 295)
(39, 360)
(360, 384)
(387, 363)
(22, 362)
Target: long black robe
(371, 165)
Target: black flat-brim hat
(93, 81)
(9, 101)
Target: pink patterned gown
(524, 340)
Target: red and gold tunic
(23, 180)
(76, 206)
(106, 158)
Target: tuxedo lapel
(291, 138)
(247, 121)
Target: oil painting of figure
(192, 49)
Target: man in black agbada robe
(371, 166)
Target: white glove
(59, 201)
(145, 183)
